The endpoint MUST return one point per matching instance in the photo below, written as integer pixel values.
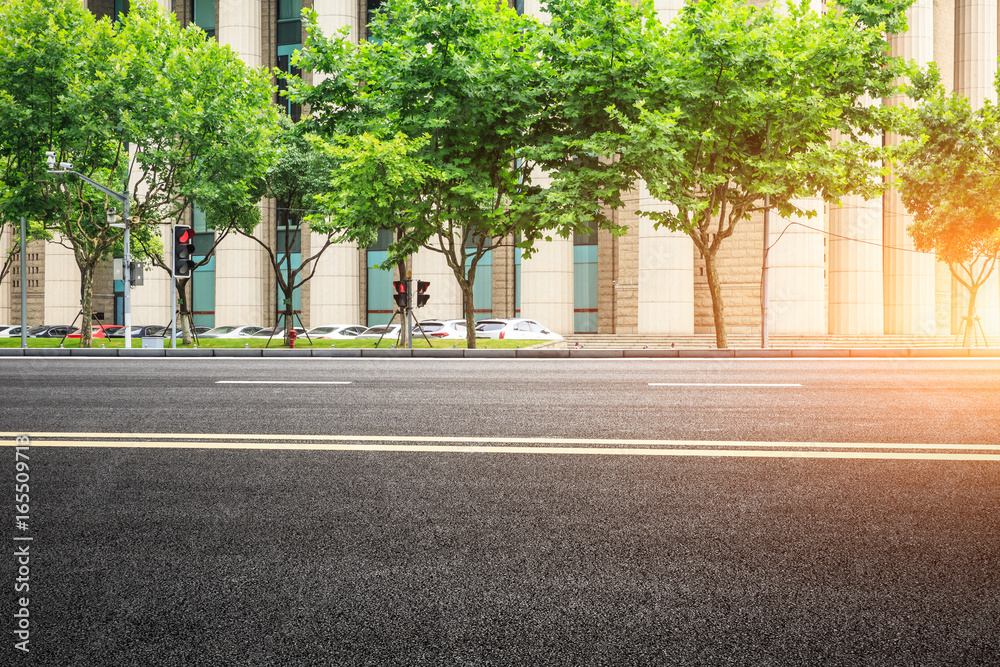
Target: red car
(99, 331)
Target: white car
(277, 332)
(231, 332)
(383, 331)
(336, 331)
(518, 329)
(6, 329)
(440, 329)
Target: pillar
(909, 281)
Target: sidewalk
(538, 352)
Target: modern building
(849, 270)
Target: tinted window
(489, 326)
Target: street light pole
(123, 199)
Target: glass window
(290, 22)
(289, 9)
(204, 15)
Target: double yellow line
(486, 445)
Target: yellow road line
(245, 438)
(508, 449)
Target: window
(585, 280)
(288, 253)
(290, 22)
(380, 302)
(204, 15)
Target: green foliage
(463, 126)
(740, 105)
(140, 105)
(948, 177)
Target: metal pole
(173, 294)
(409, 310)
(127, 260)
(24, 285)
(763, 276)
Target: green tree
(203, 129)
(948, 178)
(299, 172)
(460, 127)
(741, 106)
(140, 106)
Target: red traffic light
(183, 250)
(422, 295)
(185, 235)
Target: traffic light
(422, 295)
(400, 297)
(183, 251)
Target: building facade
(851, 269)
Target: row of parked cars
(519, 328)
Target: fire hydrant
(291, 338)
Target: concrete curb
(334, 353)
(383, 353)
(524, 353)
(286, 353)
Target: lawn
(277, 343)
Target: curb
(525, 353)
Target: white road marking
(719, 384)
(688, 448)
(276, 382)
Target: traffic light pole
(409, 310)
(123, 199)
(173, 301)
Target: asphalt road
(742, 545)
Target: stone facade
(821, 277)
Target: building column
(7, 286)
(666, 275)
(909, 276)
(335, 294)
(332, 15)
(856, 286)
(62, 285)
(975, 70)
(446, 296)
(241, 272)
(547, 285)
(796, 281)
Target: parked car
(244, 331)
(336, 331)
(440, 329)
(277, 332)
(13, 332)
(384, 331)
(139, 331)
(55, 331)
(98, 331)
(198, 329)
(519, 329)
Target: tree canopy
(466, 127)
(948, 176)
(741, 105)
(138, 105)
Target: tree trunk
(289, 316)
(718, 309)
(970, 322)
(87, 305)
(184, 310)
(469, 310)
